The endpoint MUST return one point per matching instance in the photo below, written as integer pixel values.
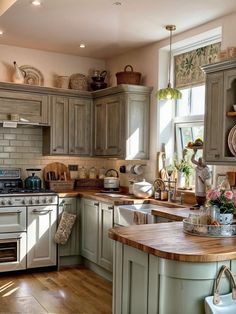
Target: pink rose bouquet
(225, 200)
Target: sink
(147, 208)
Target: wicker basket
(58, 186)
(128, 77)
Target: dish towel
(139, 218)
(64, 228)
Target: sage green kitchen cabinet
(105, 251)
(89, 229)
(80, 126)
(121, 122)
(219, 113)
(213, 117)
(96, 220)
(41, 229)
(27, 101)
(135, 281)
(146, 284)
(71, 248)
(70, 131)
(108, 129)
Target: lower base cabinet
(147, 284)
(96, 220)
(71, 248)
(41, 228)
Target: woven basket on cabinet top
(128, 77)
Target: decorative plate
(78, 81)
(231, 139)
(32, 75)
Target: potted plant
(184, 167)
(225, 201)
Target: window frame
(180, 122)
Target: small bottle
(164, 195)
(157, 194)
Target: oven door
(12, 251)
(12, 219)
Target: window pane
(186, 136)
(197, 132)
(198, 100)
(182, 107)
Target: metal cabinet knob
(96, 204)
(110, 207)
(217, 155)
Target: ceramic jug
(19, 75)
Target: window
(189, 117)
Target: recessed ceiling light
(36, 3)
(1, 33)
(82, 45)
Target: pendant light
(169, 92)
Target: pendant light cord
(169, 84)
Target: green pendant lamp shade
(169, 92)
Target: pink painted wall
(49, 63)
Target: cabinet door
(71, 248)
(30, 106)
(135, 281)
(214, 117)
(79, 126)
(42, 224)
(137, 128)
(109, 126)
(89, 229)
(105, 243)
(59, 125)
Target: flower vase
(226, 219)
(181, 180)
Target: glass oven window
(8, 252)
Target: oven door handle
(41, 211)
(11, 212)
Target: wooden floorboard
(68, 291)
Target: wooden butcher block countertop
(167, 240)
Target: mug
(138, 169)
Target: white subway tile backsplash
(22, 148)
(9, 136)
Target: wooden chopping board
(61, 171)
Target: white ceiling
(105, 28)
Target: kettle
(33, 182)
(111, 180)
(19, 75)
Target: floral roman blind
(187, 66)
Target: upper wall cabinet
(70, 131)
(121, 122)
(220, 118)
(27, 101)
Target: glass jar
(92, 173)
(101, 174)
(82, 173)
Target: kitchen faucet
(172, 191)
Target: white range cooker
(28, 222)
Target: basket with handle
(225, 304)
(128, 77)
